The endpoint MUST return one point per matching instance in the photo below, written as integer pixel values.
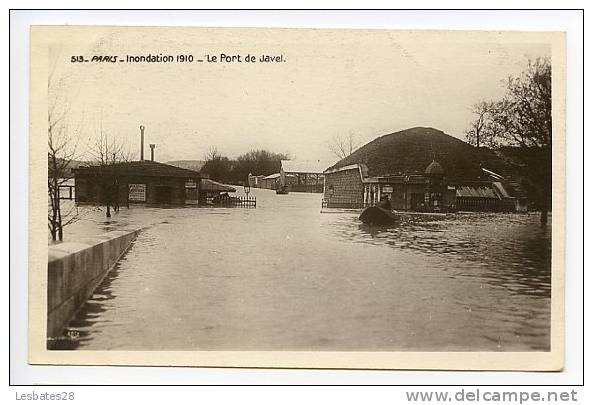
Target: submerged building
(303, 176)
(210, 190)
(143, 181)
(422, 169)
(299, 176)
(146, 181)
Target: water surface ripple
(286, 277)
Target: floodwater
(284, 276)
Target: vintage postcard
(304, 198)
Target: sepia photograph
(384, 198)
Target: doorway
(417, 201)
(163, 194)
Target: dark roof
(211, 185)
(140, 168)
(410, 152)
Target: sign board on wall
(137, 192)
(387, 189)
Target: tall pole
(142, 142)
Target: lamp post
(406, 182)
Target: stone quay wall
(75, 269)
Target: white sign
(387, 189)
(191, 184)
(137, 192)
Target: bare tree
(483, 131)
(523, 118)
(61, 151)
(212, 153)
(218, 167)
(62, 143)
(343, 146)
(108, 154)
(525, 113)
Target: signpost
(137, 193)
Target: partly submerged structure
(210, 190)
(422, 169)
(270, 182)
(143, 181)
(304, 176)
(294, 175)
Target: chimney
(152, 145)
(142, 142)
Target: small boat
(378, 216)
(282, 190)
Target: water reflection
(513, 251)
(285, 277)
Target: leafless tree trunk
(523, 118)
(108, 154)
(482, 130)
(61, 151)
(212, 153)
(343, 146)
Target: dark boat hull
(377, 216)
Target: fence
(476, 204)
(306, 188)
(235, 202)
(484, 204)
(245, 202)
(343, 204)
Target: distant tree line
(521, 123)
(236, 171)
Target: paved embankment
(74, 270)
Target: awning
(501, 190)
(211, 185)
(475, 192)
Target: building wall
(167, 190)
(401, 196)
(255, 181)
(350, 192)
(344, 189)
(270, 184)
(347, 189)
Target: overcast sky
(332, 83)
